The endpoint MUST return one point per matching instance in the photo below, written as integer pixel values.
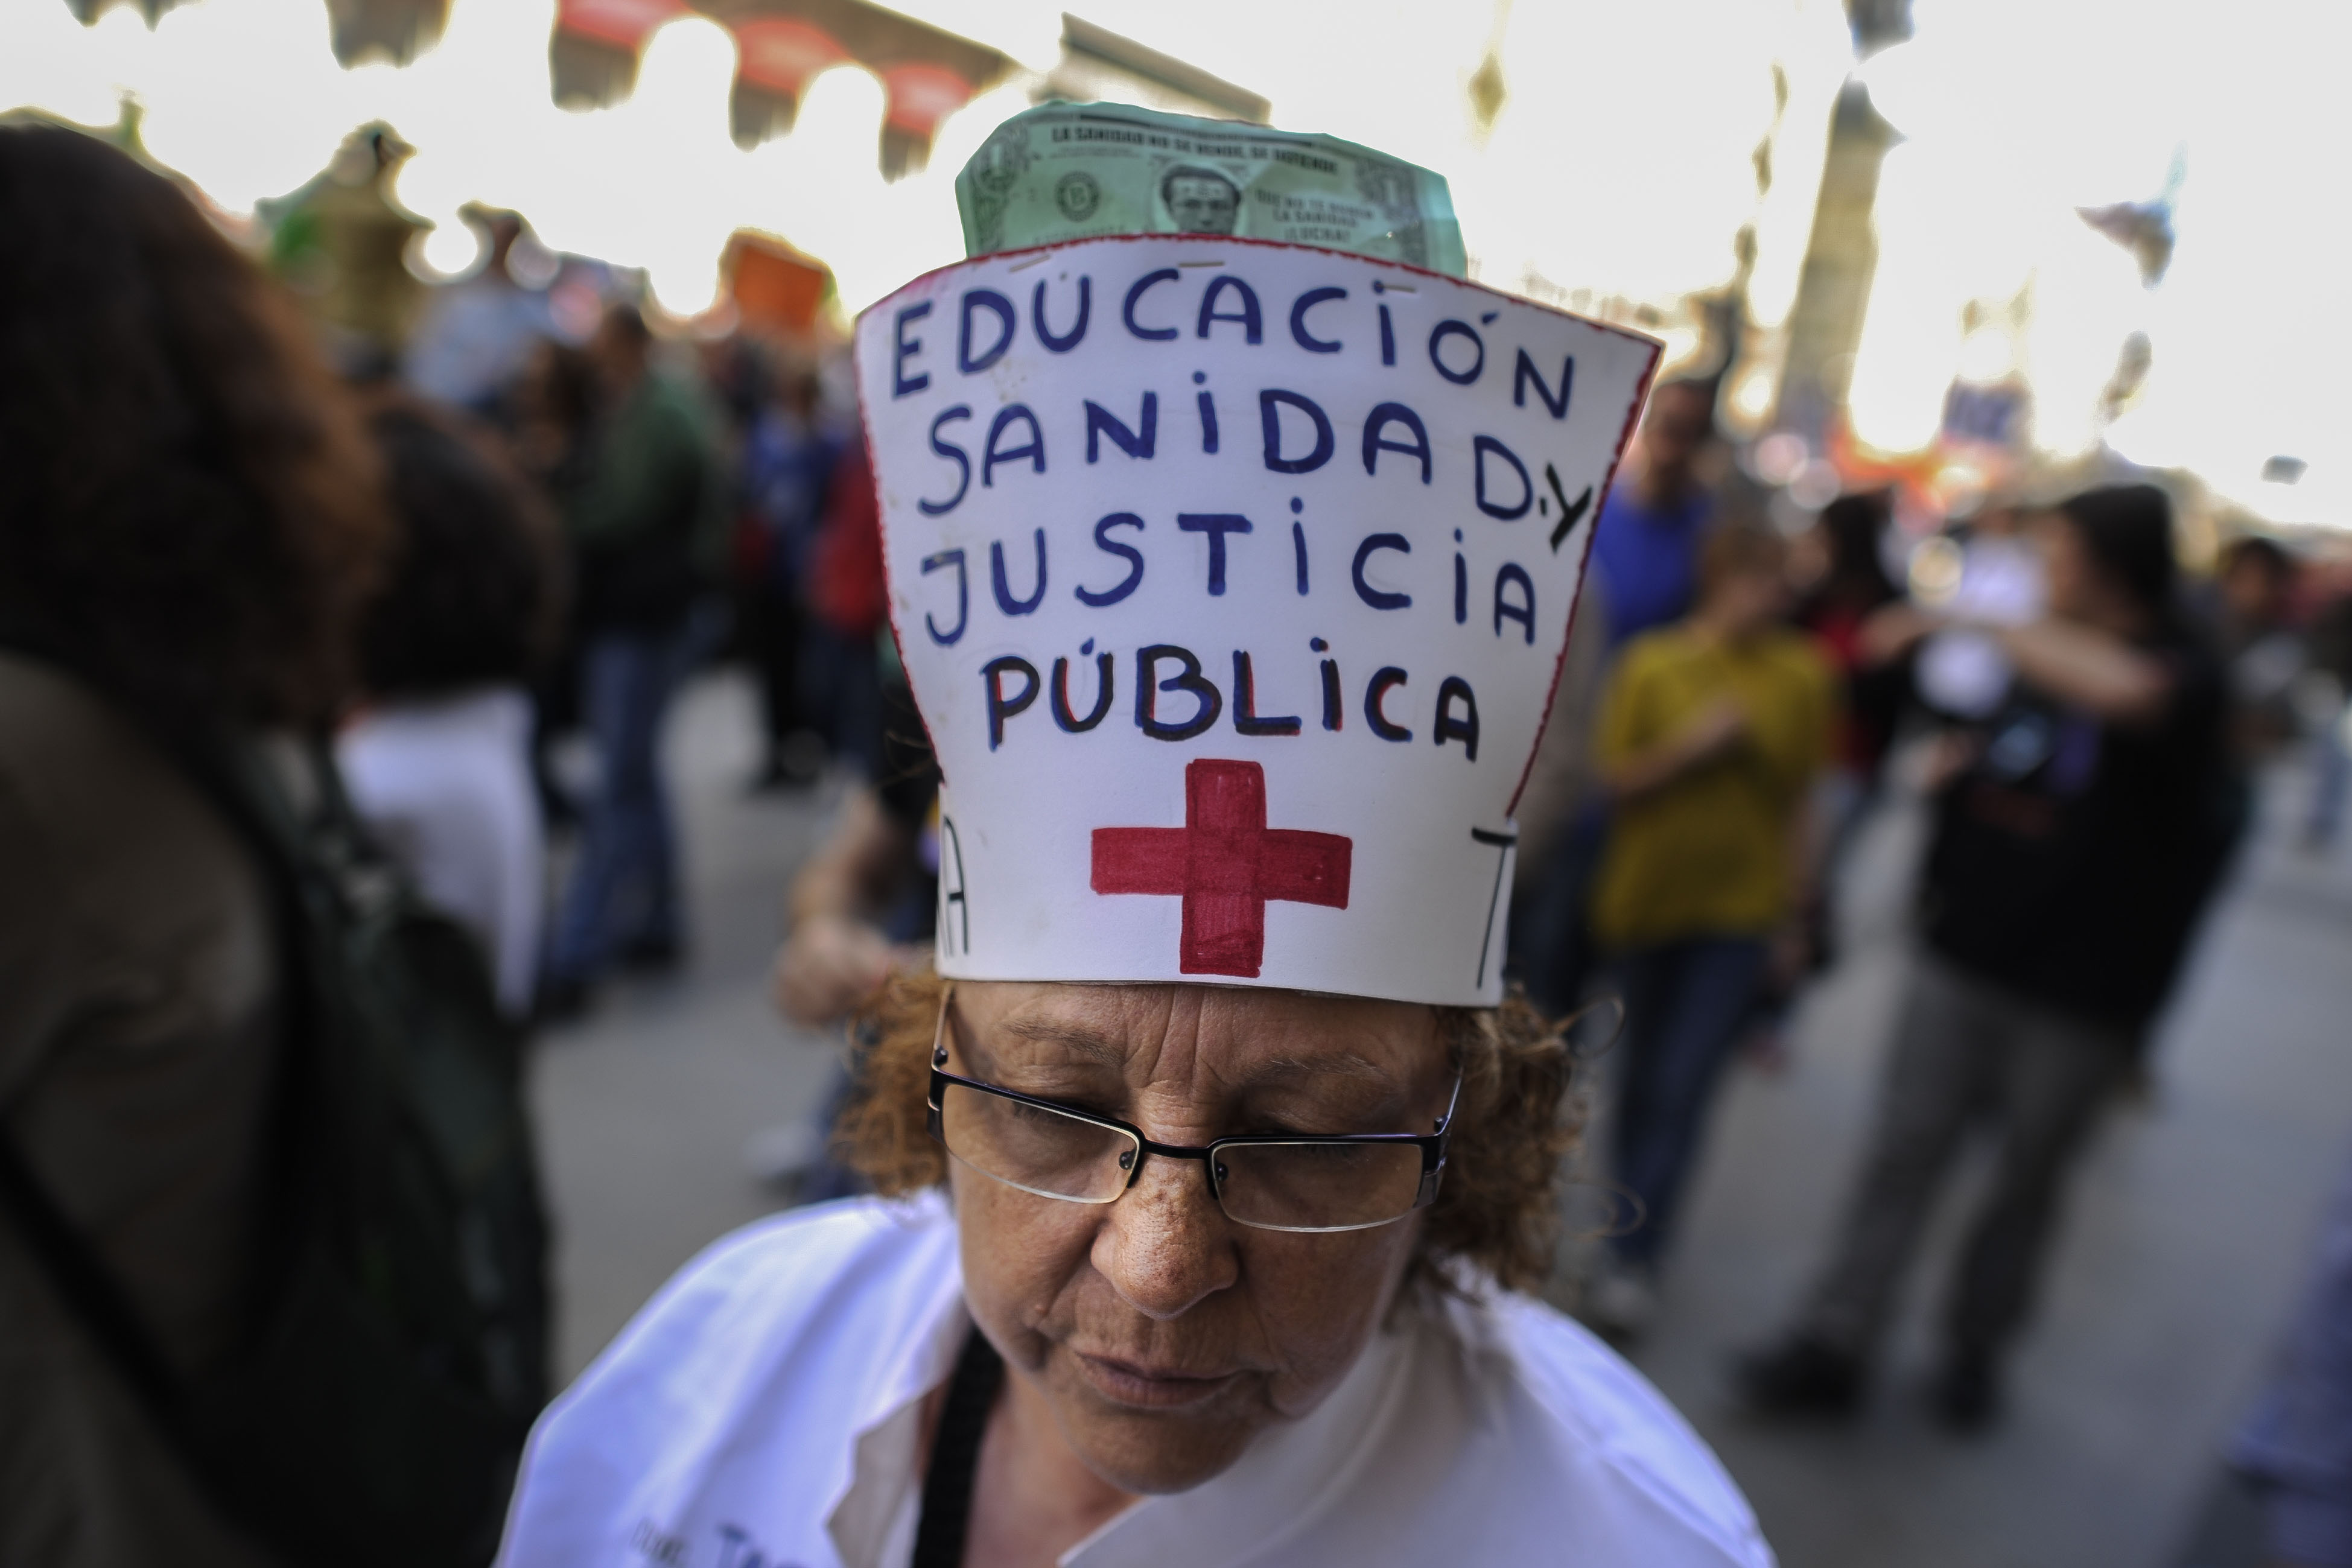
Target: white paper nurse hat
(1232, 580)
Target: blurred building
(927, 72)
(1099, 65)
(340, 242)
(362, 30)
(1833, 290)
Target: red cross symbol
(1227, 864)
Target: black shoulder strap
(88, 1289)
(955, 1455)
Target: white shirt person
(777, 1403)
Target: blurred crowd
(480, 571)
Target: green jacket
(648, 517)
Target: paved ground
(2179, 1263)
(645, 1107)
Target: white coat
(763, 1411)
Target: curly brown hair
(474, 591)
(188, 506)
(1494, 1212)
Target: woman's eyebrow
(1082, 1041)
(1345, 1064)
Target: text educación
(1172, 695)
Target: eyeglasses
(1267, 1181)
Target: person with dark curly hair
(438, 759)
(189, 525)
(1213, 1161)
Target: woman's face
(1751, 599)
(1164, 1336)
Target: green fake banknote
(1069, 170)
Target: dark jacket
(647, 514)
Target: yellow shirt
(1708, 854)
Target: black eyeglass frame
(1432, 1145)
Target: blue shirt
(1647, 559)
(786, 464)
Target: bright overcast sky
(1620, 163)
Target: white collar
(1283, 1482)
(883, 1475)
(1286, 1479)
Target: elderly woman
(1173, 1273)
(1210, 1151)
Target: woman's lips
(1149, 1389)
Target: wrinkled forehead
(1229, 1033)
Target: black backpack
(375, 1412)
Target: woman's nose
(1165, 1245)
